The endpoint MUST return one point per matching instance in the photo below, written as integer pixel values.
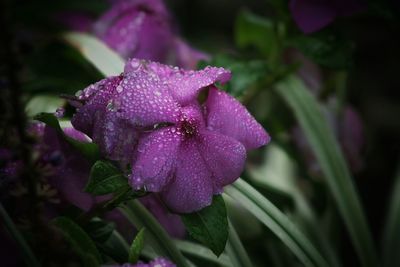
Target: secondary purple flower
(182, 149)
(313, 15)
(139, 29)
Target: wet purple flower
(139, 29)
(150, 116)
(313, 15)
(158, 262)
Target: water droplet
(120, 89)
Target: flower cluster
(150, 117)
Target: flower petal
(192, 187)
(156, 160)
(224, 156)
(144, 100)
(229, 117)
(184, 85)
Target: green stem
(235, 249)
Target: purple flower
(313, 15)
(150, 116)
(139, 29)
(159, 262)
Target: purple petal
(161, 262)
(144, 99)
(312, 15)
(183, 85)
(192, 188)
(229, 117)
(155, 161)
(224, 156)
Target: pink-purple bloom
(139, 28)
(150, 117)
(313, 15)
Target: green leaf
(155, 233)
(108, 62)
(99, 230)
(89, 150)
(326, 49)
(43, 103)
(105, 178)
(245, 73)
(332, 162)
(79, 239)
(28, 256)
(201, 252)
(137, 246)
(115, 247)
(277, 222)
(252, 30)
(391, 238)
(209, 225)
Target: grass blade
(277, 222)
(391, 238)
(202, 252)
(235, 249)
(333, 164)
(94, 50)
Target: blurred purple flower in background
(182, 149)
(139, 29)
(313, 15)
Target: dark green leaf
(326, 49)
(245, 73)
(137, 246)
(105, 178)
(79, 239)
(89, 150)
(259, 32)
(209, 225)
(99, 230)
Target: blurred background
(350, 65)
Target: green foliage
(209, 225)
(105, 178)
(256, 31)
(326, 49)
(245, 73)
(79, 240)
(89, 150)
(137, 246)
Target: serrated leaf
(79, 239)
(137, 246)
(209, 225)
(108, 62)
(89, 150)
(105, 178)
